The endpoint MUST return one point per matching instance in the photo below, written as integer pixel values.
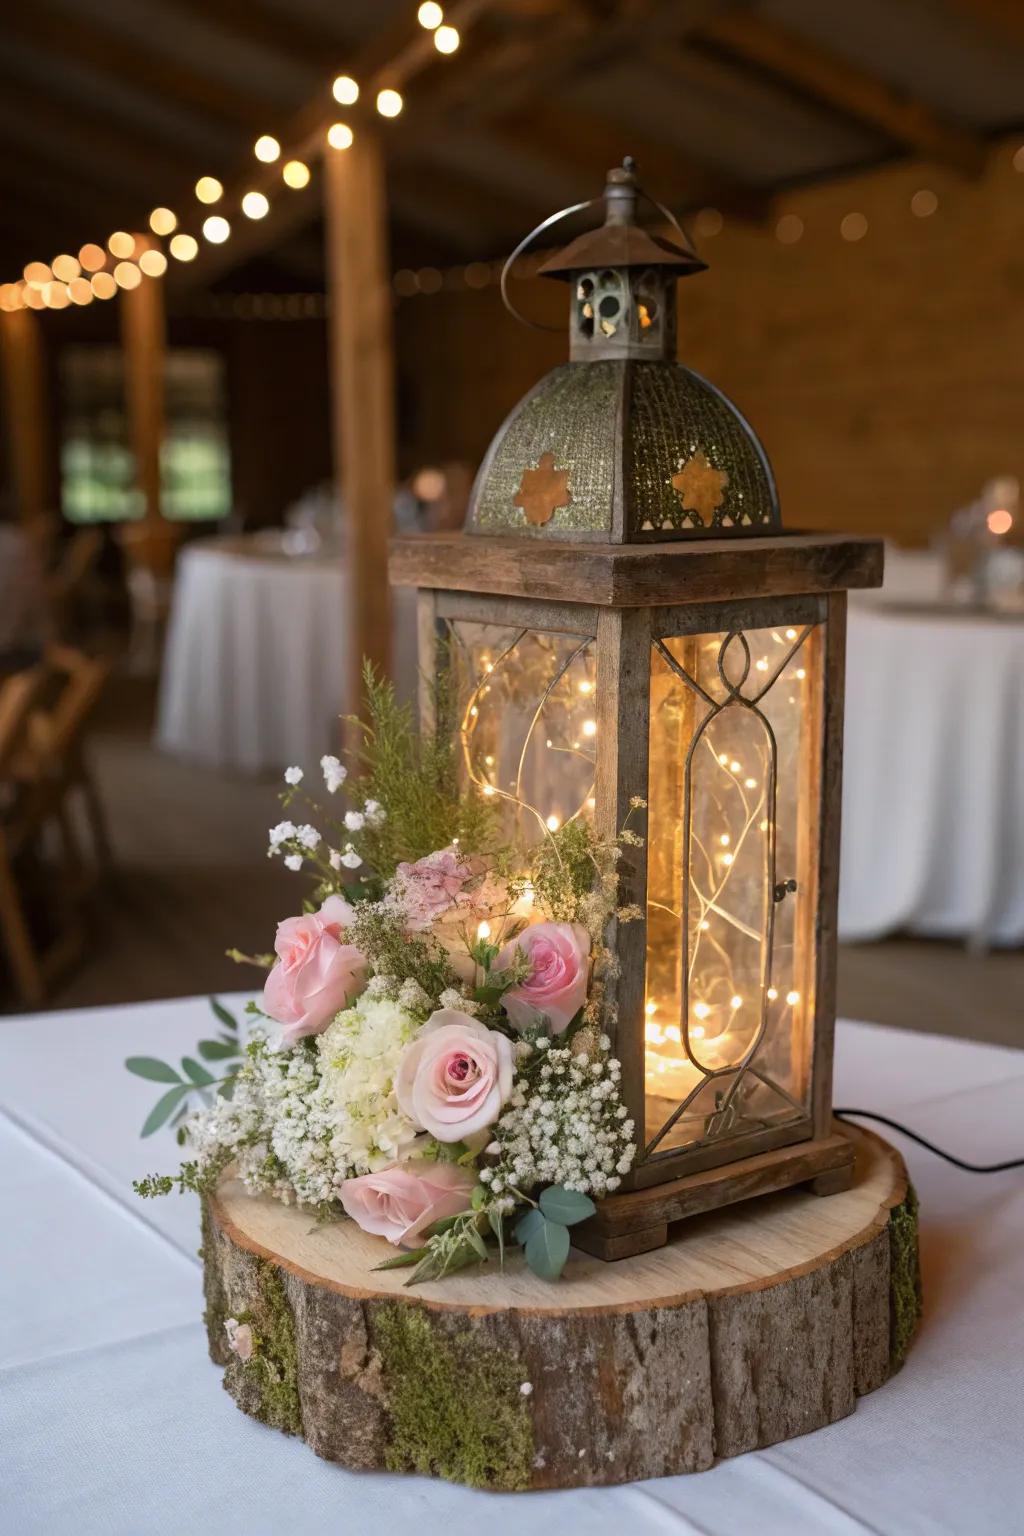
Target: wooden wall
(885, 375)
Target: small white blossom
(334, 772)
(526, 1388)
(350, 858)
(293, 775)
(280, 834)
(355, 821)
(293, 861)
(374, 812)
(334, 858)
(308, 836)
(452, 998)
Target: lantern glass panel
(526, 722)
(734, 784)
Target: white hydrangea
(359, 1055)
(334, 773)
(293, 775)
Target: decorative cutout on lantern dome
(542, 490)
(701, 486)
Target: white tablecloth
(933, 797)
(112, 1419)
(256, 665)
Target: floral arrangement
(431, 1055)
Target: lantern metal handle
(628, 164)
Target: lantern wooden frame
(626, 596)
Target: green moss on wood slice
(267, 1384)
(904, 1278)
(455, 1402)
(216, 1311)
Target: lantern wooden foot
(750, 1327)
(639, 1220)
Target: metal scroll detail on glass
(527, 727)
(732, 876)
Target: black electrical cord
(958, 1162)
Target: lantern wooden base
(639, 1221)
(755, 1324)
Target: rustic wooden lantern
(628, 620)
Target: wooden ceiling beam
(845, 88)
(293, 37)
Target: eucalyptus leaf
(197, 1073)
(565, 1205)
(217, 1050)
(547, 1249)
(527, 1225)
(155, 1071)
(226, 1018)
(226, 1086)
(164, 1108)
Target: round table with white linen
(933, 797)
(256, 667)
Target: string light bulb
(389, 102)
(80, 290)
(103, 285)
(345, 90)
(65, 268)
(209, 189)
(340, 136)
(216, 229)
(153, 263)
(92, 257)
(37, 274)
(446, 39)
(127, 275)
(483, 930)
(55, 296)
(590, 727)
(295, 174)
(267, 149)
(184, 247)
(792, 998)
(162, 221)
(430, 15)
(121, 245)
(255, 205)
(553, 823)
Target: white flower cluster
(303, 1121)
(564, 1124)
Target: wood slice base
(755, 1324)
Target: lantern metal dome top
(623, 444)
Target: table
(256, 663)
(933, 797)
(112, 1419)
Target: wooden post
(144, 339)
(28, 422)
(362, 387)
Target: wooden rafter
(289, 35)
(845, 87)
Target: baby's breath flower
(374, 812)
(638, 803)
(308, 836)
(355, 821)
(350, 858)
(334, 858)
(334, 773)
(293, 861)
(293, 776)
(280, 834)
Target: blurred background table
(257, 662)
(933, 796)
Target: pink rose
(316, 974)
(427, 889)
(455, 1076)
(400, 1202)
(557, 983)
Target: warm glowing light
(255, 205)
(429, 484)
(705, 925)
(586, 686)
(216, 229)
(295, 174)
(10, 297)
(153, 263)
(790, 634)
(999, 521)
(389, 102)
(723, 758)
(735, 1002)
(773, 993)
(483, 930)
(446, 39)
(924, 203)
(727, 860)
(184, 247)
(734, 766)
(749, 783)
(789, 229)
(92, 257)
(267, 149)
(33, 297)
(590, 727)
(103, 285)
(801, 673)
(650, 1008)
(724, 839)
(56, 296)
(127, 275)
(701, 1010)
(162, 221)
(430, 15)
(853, 226)
(121, 245)
(37, 273)
(792, 998)
(697, 1031)
(488, 790)
(80, 290)
(553, 823)
(339, 136)
(209, 189)
(345, 90)
(65, 268)
(708, 222)
(762, 665)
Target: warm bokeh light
(56, 296)
(37, 273)
(121, 245)
(92, 257)
(446, 39)
(295, 174)
(345, 90)
(428, 484)
(209, 189)
(216, 229)
(162, 221)
(923, 203)
(103, 285)
(708, 222)
(339, 136)
(127, 275)
(153, 263)
(65, 268)
(33, 297)
(255, 205)
(430, 15)
(10, 297)
(999, 521)
(267, 149)
(853, 226)
(184, 247)
(80, 290)
(389, 102)
(429, 280)
(789, 229)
